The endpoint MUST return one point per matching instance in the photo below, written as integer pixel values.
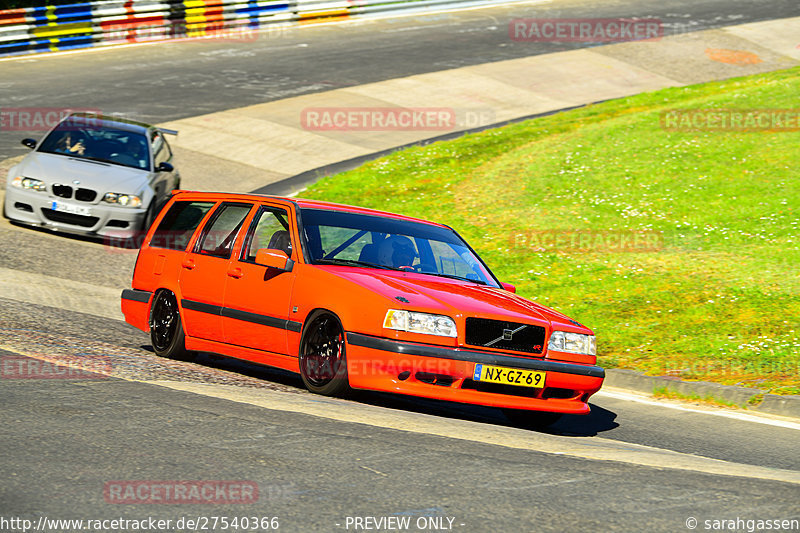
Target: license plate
(74, 209)
(509, 376)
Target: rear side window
(220, 232)
(179, 224)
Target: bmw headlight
(28, 183)
(413, 322)
(125, 200)
(565, 341)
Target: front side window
(270, 229)
(335, 237)
(161, 150)
(221, 230)
(179, 224)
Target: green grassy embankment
(715, 297)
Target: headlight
(125, 200)
(564, 341)
(28, 183)
(420, 323)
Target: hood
(103, 177)
(455, 298)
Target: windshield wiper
(353, 262)
(453, 276)
(87, 159)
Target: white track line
(745, 417)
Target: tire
(323, 358)
(166, 328)
(531, 419)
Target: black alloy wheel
(323, 361)
(166, 329)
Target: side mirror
(272, 258)
(30, 143)
(509, 287)
(165, 167)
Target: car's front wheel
(166, 328)
(323, 361)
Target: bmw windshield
(370, 241)
(92, 141)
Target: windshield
(98, 143)
(334, 237)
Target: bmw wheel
(166, 329)
(323, 361)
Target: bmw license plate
(70, 208)
(509, 376)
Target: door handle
(188, 264)
(235, 273)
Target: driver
(71, 143)
(397, 251)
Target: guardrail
(109, 22)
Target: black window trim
(262, 208)
(217, 210)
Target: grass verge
(708, 399)
(710, 292)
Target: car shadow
(123, 244)
(48, 231)
(598, 421)
(264, 373)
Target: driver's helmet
(396, 251)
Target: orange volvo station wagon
(353, 298)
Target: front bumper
(376, 363)
(35, 209)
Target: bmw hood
(103, 177)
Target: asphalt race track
(323, 464)
(159, 83)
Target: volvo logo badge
(507, 335)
